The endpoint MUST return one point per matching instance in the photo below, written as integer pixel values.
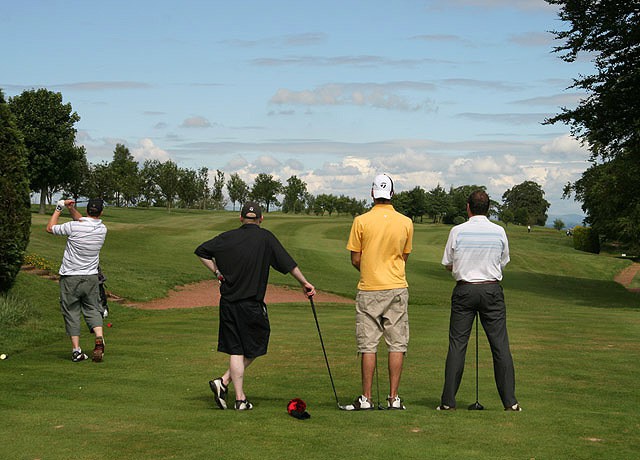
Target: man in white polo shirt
(476, 253)
(79, 287)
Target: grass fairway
(574, 336)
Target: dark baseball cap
(95, 206)
(251, 210)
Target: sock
(79, 350)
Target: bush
(586, 239)
(15, 212)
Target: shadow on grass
(570, 290)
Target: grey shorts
(382, 314)
(80, 297)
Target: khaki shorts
(382, 314)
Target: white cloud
(507, 118)
(556, 100)
(148, 151)
(383, 96)
(362, 61)
(196, 122)
(408, 160)
(565, 146)
(266, 164)
(516, 4)
(290, 40)
(235, 164)
(294, 165)
(544, 39)
(103, 85)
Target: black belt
(477, 282)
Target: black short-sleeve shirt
(244, 256)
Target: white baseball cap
(382, 187)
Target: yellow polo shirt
(382, 236)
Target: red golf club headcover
(298, 408)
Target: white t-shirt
(85, 239)
(478, 250)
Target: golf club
(380, 406)
(324, 352)
(476, 405)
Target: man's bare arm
(356, 257)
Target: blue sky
(449, 92)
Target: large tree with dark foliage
(264, 190)
(526, 201)
(608, 119)
(48, 127)
(15, 213)
(294, 195)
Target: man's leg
(494, 322)
(98, 349)
(235, 374)
(396, 359)
(368, 367)
(460, 324)
(70, 307)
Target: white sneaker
(395, 403)
(243, 405)
(361, 403)
(445, 407)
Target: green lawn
(574, 335)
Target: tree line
(56, 165)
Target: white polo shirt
(478, 250)
(85, 239)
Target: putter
(324, 352)
(476, 405)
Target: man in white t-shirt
(79, 285)
(476, 253)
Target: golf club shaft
(477, 391)
(324, 352)
(378, 383)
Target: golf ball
(3, 356)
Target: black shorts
(244, 328)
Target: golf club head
(476, 406)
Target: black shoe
(243, 405)
(445, 407)
(219, 392)
(78, 356)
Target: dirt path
(206, 293)
(626, 276)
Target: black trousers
(488, 301)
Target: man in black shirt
(241, 259)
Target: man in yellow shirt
(380, 242)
